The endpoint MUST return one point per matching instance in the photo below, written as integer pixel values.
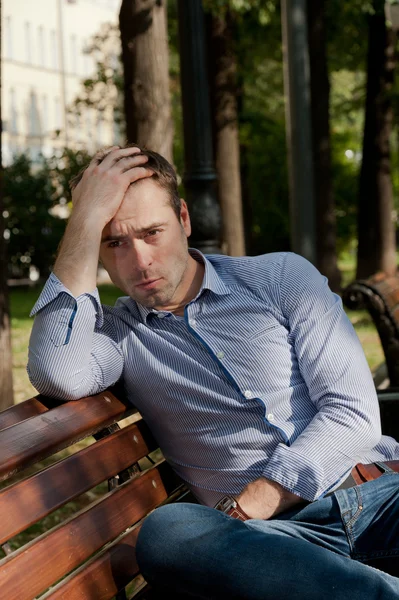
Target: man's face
(144, 247)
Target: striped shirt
(263, 376)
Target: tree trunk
(145, 58)
(6, 388)
(223, 89)
(376, 229)
(326, 246)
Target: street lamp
(200, 174)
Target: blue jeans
(330, 548)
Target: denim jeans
(340, 547)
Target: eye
(153, 232)
(114, 244)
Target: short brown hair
(164, 174)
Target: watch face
(226, 503)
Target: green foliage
(30, 195)
(33, 232)
(265, 153)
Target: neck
(194, 276)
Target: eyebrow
(120, 237)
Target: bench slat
(107, 573)
(64, 548)
(102, 577)
(20, 412)
(38, 437)
(22, 504)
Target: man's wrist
(230, 506)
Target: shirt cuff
(54, 287)
(295, 473)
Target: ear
(185, 218)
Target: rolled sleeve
(54, 288)
(73, 351)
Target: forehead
(144, 199)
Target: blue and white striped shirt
(263, 376)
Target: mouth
(148, 284)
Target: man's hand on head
(263, 499)
(103, 186)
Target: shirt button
(220, 355)
(192, 322)
(160, 315)
(248, 394)
(270, 417)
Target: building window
(34, 117)
(74, 54)
(45, 114)
(41, 47)
(57, 114)
(28, 44)
(13, 127)
(54, 49)
(8, 32)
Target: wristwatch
(230, 506)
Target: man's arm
(72, 353)
(96, 200)
(334, 368)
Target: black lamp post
(200, 175)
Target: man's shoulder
(123, 308)
(252, 271)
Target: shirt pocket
(62, 326)
(265, 327)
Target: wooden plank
(28, 501)
(25, 443)
(104, 576)
(20, 412)
(57, 552)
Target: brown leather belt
(362, 473)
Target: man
(251, 378)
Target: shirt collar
(211, 281)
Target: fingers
(115, 155)
(99, 156)
(129, 162)
(136, 173)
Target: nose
(142, 255)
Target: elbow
(55, 385)
(376, 433)
(372, 432)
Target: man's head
(162, 172)
(144, 246)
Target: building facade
(43, 67)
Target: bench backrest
(380, 296)
(87, 503)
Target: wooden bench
(114, 483)
(379, 295)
